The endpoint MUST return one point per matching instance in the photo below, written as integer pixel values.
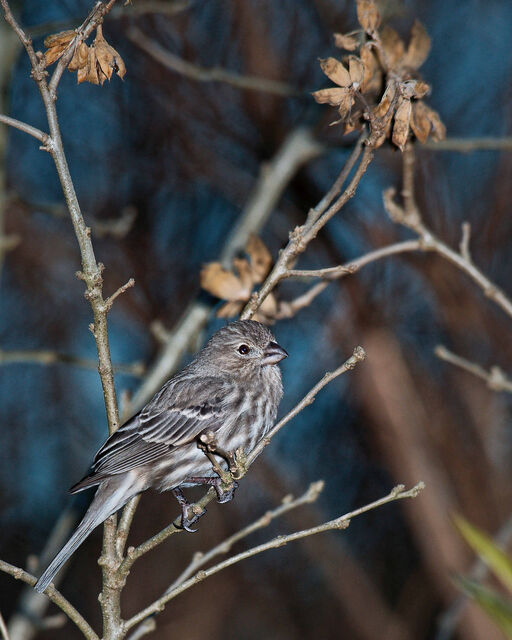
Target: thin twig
(3, 628)
(200, 559)
(91, 274)
(353, 266)
(358, 356)
(495, 377)
(26, 128)
(342, 522)
(288, 503)
(464, 242)
(412, 220)
(48, 357)
(466, 145)
(317, 211)
(298, 148)
(301, 236)
(110, 300)
(55, 596)
(213, 74)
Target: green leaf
(486, 548)
(496, 607)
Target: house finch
(229, 393)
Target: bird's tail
(111, 495)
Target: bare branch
(164, 7)
(55, 596)
(342, 522)
(202, 74)
(412, 220)
(495, 377)
(3, 628)
(465, 240)
(298, 148)
(331, 273)
(110, 300)
(288, 503)
(301, 236)
(26, 128)
(358, 356)
(466, 145)
(25, 40)
(317, 211)
(48, 357)
(93, 20)
(200, 559)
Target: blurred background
(164, 165)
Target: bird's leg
(224, 493)
(186, 522)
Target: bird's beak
(273, 354)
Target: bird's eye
(243, 349)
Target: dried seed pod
(80, 57)
(336, 72)
(348, 42)
(108, 58)
(402, 121)
(92, 68)
(368, 15)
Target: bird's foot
(225, 494)
(225, 490)
(186, 507)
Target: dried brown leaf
(222, 283)
(335, 71)
(402, 121)
(245, 273)
(347, 42)
(421, 89)
(92, 68)
(356, 70)
(333, 96)
(80, 57)
(438, 128)
(83, 72)
(383, 109)
(260, 257)
(346, 104)
(372, 77)
(419, 47)
(109, 59)
(368, 15)
(53, 54)
(420, 122)
(393, 47)
(61, 39)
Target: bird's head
(243, 348)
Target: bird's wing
(181, 411)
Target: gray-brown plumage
(232, 388)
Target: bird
(227, 397)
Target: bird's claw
(185, 506)
(186, 522)
(225, 495)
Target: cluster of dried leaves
(93, 63)
(382, 85)
(237, 287)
